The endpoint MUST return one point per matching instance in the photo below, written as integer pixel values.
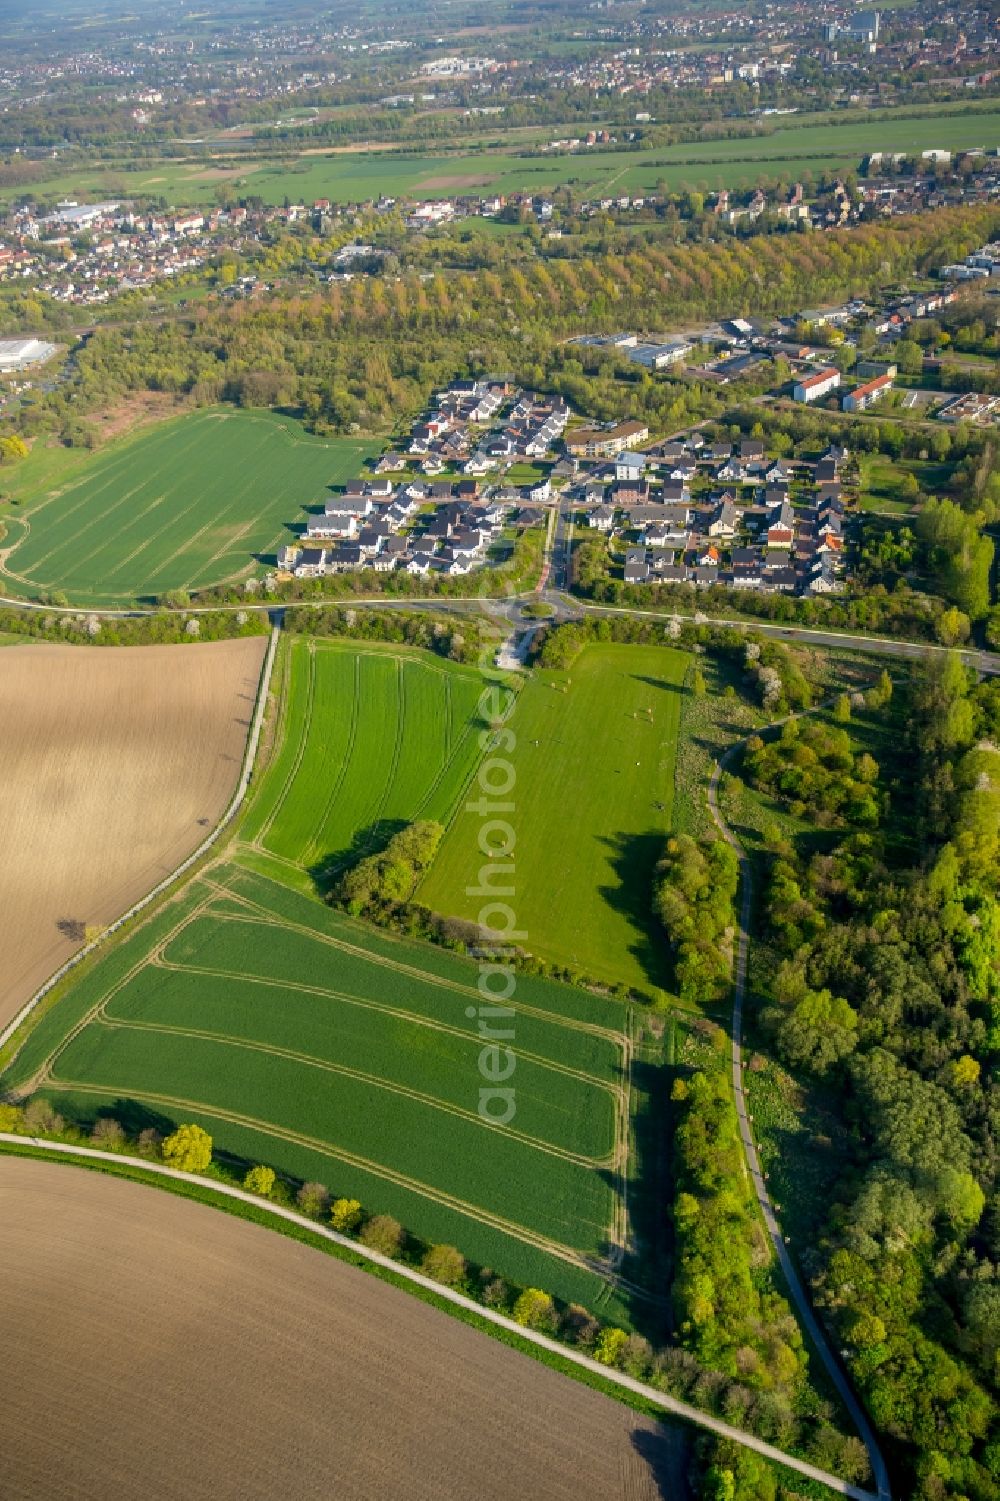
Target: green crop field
(189, 503)
(372, 738)
(334, 1052)
(594, 764)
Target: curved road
(798, 1293)
(565, 607)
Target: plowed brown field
(155, 1347)
(114, 764)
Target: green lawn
(372, 737)
(192, 502)
(594, 764)
(883, 480)
(334, 1052)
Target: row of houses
(741, 529)
(417, 528)
(480, 425)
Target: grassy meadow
(372, 738)
(188, 503)
(595, 775)
(793, 145)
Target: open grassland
(372, 737)
(594, 764)
(307, 1040)
(115, 766)
(279, 1368)
(795, 144)
(189, 503)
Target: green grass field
(595, 772)
(186, 504)
(372, 737)
(334, 1052)
(793, 145)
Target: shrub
(41, 1120)
(107, 1133)
(260, 1180)
(383, 1233)
(535, 1310)
(313, 1199)
(345, 1215)
(610, 1345)
(188, 1149)
(445, 1264)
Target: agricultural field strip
(101, 1018)
(454, 749)
(475, 1212)
(172, 522)
(284, 710)
(46, 1077)
(232, 445)
(312, 848)
(158, 958)
(111, 474)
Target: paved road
(988, 663)
(565, 607)
(795, 1286)
(408, 1274)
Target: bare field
(116, 763)
(162, 1348)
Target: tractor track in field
(293, 772)
(312, 848)
(437, 1196)
(472, 1117)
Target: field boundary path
(249, 757)
(615, 1378)
(795, 1286)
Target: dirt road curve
(116, 764)
(155, 1347)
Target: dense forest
(883, 983)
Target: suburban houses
(402, 517)
(691, 512)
